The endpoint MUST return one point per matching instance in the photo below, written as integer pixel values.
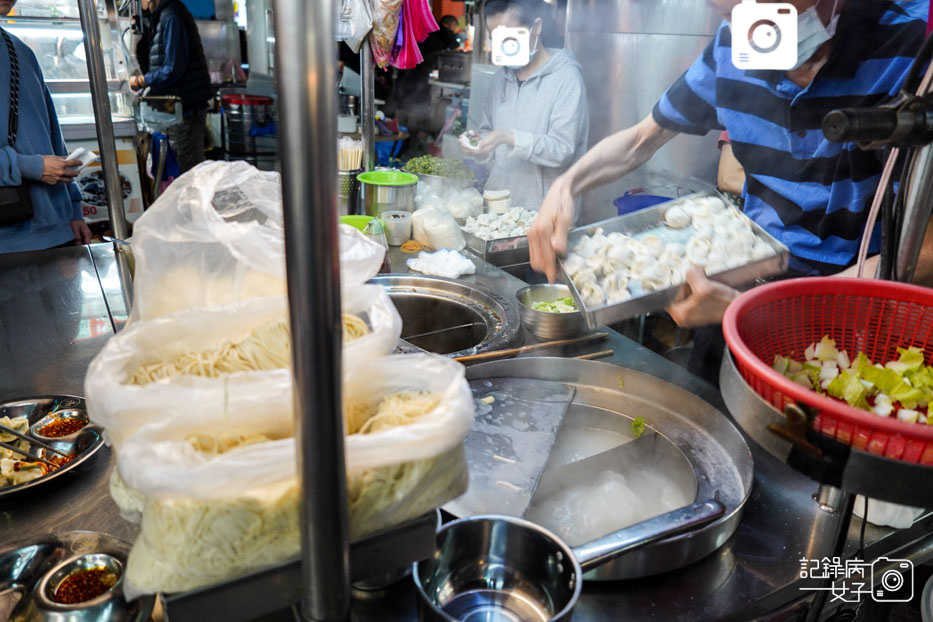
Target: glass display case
(52, 30)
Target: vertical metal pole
(103, 120)
(307, 72)
(368, 108)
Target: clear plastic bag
(215, 237)
(122, 408)
(209, 518)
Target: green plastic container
(358, 222)
(387, 178)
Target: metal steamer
(612, 396)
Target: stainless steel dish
(443, 185)
(609, 397)
(497, 568)
(450, 317)
(30, 575)
(646, 220)
(543, 324)
(40, 410)
(499, 252)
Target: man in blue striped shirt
(811, 194)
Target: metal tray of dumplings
(81, 444)
(499, 252)
(651, 218)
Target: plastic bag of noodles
(216, 237)
(220, 491)
(220, 357)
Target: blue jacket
(38, 134)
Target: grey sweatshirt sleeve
(568, 119)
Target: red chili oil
(84, 585)
(62, 427)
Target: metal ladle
(504, 569)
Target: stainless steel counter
(58, 308)
(54, 317)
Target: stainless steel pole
(916, 214)
(100, 100)
(306, 71)
(368, 108)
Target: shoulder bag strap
(14, 89)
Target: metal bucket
(249, 123)
(348, 193)
(387, 191)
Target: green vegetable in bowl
(440, 167)
(561, 305)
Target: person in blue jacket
(37, 159)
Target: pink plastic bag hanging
(423, 21)
(386, 16)
(409, 55)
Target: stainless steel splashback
(631, 51)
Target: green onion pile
(440, 167)
(561, 305)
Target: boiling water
(576, 443)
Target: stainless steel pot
(381, 197)
(544, 324)
(503, 569)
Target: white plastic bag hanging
(212, 516)
(121, 407)
(216, 237)
(354, 21)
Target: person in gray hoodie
(535, 122)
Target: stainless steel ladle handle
(601, 550)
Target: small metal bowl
(543, 324)
(80, 415)
(107, 607)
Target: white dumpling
(716, 261)
(573, 263)
(714, 204)
(697, 249)
(676, 218)
(585, 247)
(619, 255)
(584, 276)
(592, 294)
(654, 245)
(615, 286)
(761, 250)
(675, 249)
(20, 472)
(656, 276)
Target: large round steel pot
(498, 568)
(715, 449)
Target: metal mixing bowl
(543, 324)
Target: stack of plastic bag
(198, 400)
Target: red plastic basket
(874, 317)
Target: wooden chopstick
(594, 355)
(33, 441)
(496, 354)
(31, 457)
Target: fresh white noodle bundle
(392, 411)
(267, 347)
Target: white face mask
(811, 33)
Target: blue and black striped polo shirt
(811, 194)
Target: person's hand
(548, 235)
(493, 140)
(137, 82)
(56, 169)
(81, 231)
(702, 302)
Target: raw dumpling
(697, 250)
(573, 264)
(761, 250)
(653, 245)
(619, 255)
(657, 276)
(675, 249)
(615, 287)
(676, 218)
(592, 294)
(585, 247)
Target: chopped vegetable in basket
(902, 388)
(440, 167)
(561, 305)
